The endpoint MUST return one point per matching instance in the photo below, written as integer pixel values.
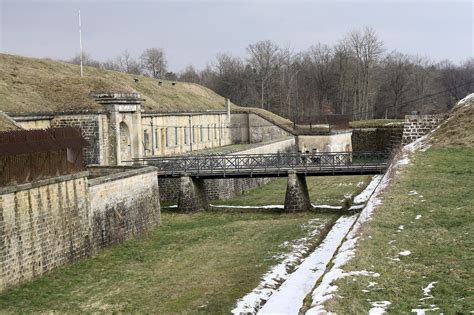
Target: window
(208, 132)
(194, 134)
(215, 131)
(176, 139)
(167, 134)
(202, 134)
(145, 139)
(157, 145)
(185, 135)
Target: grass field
(194, 263)
(433, 200)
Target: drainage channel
(288, 295)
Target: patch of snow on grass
(404, 253)
(368, 191)
(401, 228)
(418, 217)
(412, 193)
(290, 296)
(404, 161)
(327, 207)
(250, 303)
(465, 101)
(249, 207)
(378, 307)
(429, 287)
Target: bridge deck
(269, 165)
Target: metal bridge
(269, 165)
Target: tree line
(356, 77)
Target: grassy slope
(35, 85)
(441, 241)
(208, 258)
(373, 123)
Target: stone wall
(417, 126)
(261, 130)
(92, 130)
(376, 139)
(49, 223)
(43, 225)
(123, 205)
(227, 187)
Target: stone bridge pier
(192, 194)
(297, 196)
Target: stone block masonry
(43, 225)
(417, 126)
(93, 130)
(50, 223)
(297, 196)
(192, 195)
(123, 205)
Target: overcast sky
(193, 32)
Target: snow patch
(290, 296)
(378, 307)
(418, 217)
(364, 196)
(404, 253)
(327, 207)
(465, 101)
(249, 207)
(250, 303)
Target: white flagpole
(80, 41)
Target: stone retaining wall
(417, 126)
(376, 139)
(123, 205)
(50, 223)
(43, 225)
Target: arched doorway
(125, 143)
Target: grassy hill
(427, 215)
(36, 85)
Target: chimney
(227, 106)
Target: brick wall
(417, 126)
(123, 205)
(43, 225)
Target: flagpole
(80, 41)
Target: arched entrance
(125, 143)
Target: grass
(34, 85)
(322, 190)
(198, 263)
(208, 258)
(441, 241)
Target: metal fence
(269, 164)
(28, 155)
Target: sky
(193, 32)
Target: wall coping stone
(126, 174)
(42, 182)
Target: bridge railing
(276, 162)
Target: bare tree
(128, 64)
(397, 68)
(190, 75)
(367, 48)
(264, 60)
(154, 62)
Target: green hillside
(35, 85)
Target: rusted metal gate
(28, 155)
